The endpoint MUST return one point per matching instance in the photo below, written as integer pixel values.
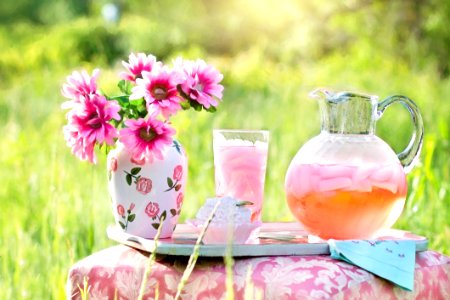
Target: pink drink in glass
(240, 168)
(346, 202)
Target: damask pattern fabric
(119, 270)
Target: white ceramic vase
(143, 194)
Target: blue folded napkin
(391, 260)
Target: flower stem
(195, 253)
(134, 176)
(151, 261)
(172, 187)
(126, 223)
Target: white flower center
(199, 87)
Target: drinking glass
(240, 160)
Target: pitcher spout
(346, 112)
(321, 94)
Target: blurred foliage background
(54, 209)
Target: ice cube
(362, 172)
(334, 184)
(383, 173)
(332, 171)
(398, 174)
(390, 186)
(298, 181)
(360, 186)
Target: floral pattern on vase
(152, 191)
(143, 185)
(174, 182)
(127, 217)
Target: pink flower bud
(113, 164)
(178, 173)
(180, 198)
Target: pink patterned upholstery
(119, 270)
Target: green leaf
(177, 187)
(244, 203)
(129, 179)
(116, 123)
(125, 86)
(173, 212)
(211, 109)
(131, 217)
(185, 105)
(197, 106)
(137, 102)
(107, 149)
(123, 101)
(122, 225)
(104, 94)
(177, 146)
(183, 94)
(155, 225)
(164, 215)
(135, 171)
(169, 182)
(122, 85)
(142, 109)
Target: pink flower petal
(146, 149)
(88, 125)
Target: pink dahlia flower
(146, 139)
(80, 148)
(79, 86)
(159, 89)
(200, 82)
(138, 63)
(89, 124)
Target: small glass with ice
(240, 160)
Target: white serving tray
(275, 239)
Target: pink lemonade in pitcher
(240, 167)
(346, 182)
(329, 194)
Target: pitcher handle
(409, 156)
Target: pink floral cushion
(119, 270)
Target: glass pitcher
(347, 183)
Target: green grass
(54, 209)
